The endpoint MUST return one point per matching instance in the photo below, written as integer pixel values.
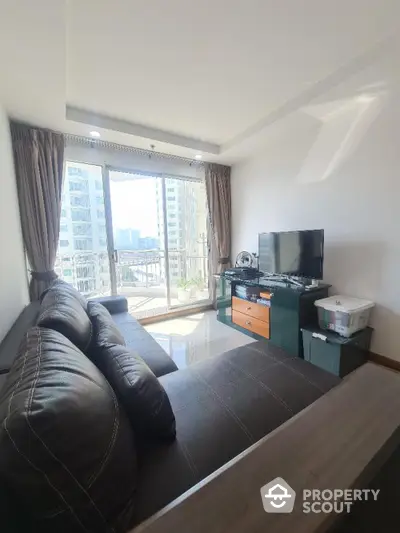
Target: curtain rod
(107, 145)
(79, 140)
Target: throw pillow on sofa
(145, 401)
(144, 398)
(104, 328)
(62, 311)
(66, 447)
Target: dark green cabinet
(292, 308)
(336, 354)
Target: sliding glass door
(136, 234)
(138, 251)
(159, 241)
(186, 240)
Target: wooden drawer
(252, 309)
(252, 324)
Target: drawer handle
(248, 308)
(248, 323)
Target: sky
(133, 204)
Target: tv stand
(291, 307)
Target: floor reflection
(196, 337)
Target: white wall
(340, 172)
(13, 270)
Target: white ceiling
(210, 76)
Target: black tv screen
(294, 253)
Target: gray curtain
(218, 187)
(39, 160)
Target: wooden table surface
(340, 441)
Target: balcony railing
(85, 270)
(140, 274)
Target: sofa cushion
(139, 340)
(62, 311)
(66, 447)
(104, 328)
(222, 406)
(139, 391)
(115, 304)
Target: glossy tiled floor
(196, 337)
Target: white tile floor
(196, 337)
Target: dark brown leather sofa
(222, 406)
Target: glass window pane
(137, 214)
(82, 257)
(187, 241)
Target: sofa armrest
(114, 304)
(3, 378)
(10, 344)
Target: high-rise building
(149, 243)
(186, 228)
(82, 257)
(127, 239)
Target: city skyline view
(131, 239)
(161, 239)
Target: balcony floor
(147, 306)
(144, 303)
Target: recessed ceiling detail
(139, 130)
(189, 80)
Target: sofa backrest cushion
(139, 391)
(68, 288)
(66, 447)
(62, 311)
(104, 328)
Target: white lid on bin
(344, 304)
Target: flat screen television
(293, 253)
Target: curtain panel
(39, 161)
(218, 187)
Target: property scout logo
(278, 497)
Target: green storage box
(336, 354)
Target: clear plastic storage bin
(343, 314)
